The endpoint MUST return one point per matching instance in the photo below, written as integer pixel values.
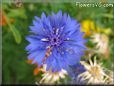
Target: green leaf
(17, 13)
(108, 15)
(16, 34)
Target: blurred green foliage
(15, 68)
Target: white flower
(94, 73)
(102, 43)
(50, 77)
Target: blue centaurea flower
(56, 40)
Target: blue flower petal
(58, 35)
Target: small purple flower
(56, 40)
(74, 72)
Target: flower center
(55, 41)
(95, 71)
